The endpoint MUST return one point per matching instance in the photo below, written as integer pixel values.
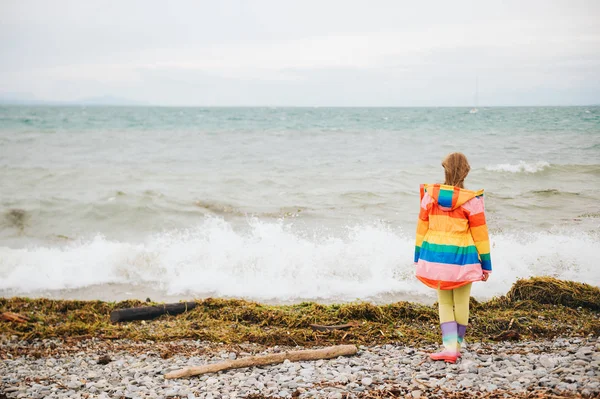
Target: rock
(580, 363)
(516, 385)
(466, 383)
(416, 393)
(366, 381)
(74, 385)
(491, 387)
(105, 359)
(585, 351)
(547, 362)
(573, 387)
(468, 365)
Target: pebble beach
(97, 368)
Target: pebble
(491, 387)
(547, 362)
(569, 365)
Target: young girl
(452, 249)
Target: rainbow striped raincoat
(453, 246)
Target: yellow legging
(454, 304)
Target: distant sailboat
(475, 110)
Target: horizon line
(121, 105)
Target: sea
(283, 205)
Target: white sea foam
(271, 261)
(522, 166)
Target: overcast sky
(306, 52)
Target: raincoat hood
(448, 197)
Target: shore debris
(264, 360)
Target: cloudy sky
(305, 52)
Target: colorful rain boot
(450, 341)
(460, 329)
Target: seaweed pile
(536, 308)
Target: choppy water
(282, 204)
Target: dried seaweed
(566, 309)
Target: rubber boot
(450, 340)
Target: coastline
(125, 292)
(542, 324)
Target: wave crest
(521, 167)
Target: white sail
(474, 110)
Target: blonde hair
(456, 169)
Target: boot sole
(447, 359)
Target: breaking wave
(521, 167)
(269, 260)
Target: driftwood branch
(320, 327)
(263, 360)
(14, 317)
(150, 312)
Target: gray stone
(547, 362)
(580, 363)
(491, 387)
(516, 385)
(74, 384)
(466, 383)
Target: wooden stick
(320, 327)
(511, 323)
(263, 360)
(150, 312)
(14, 317)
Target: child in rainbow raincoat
(452, 249)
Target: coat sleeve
(479, 231)
(422, 223)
